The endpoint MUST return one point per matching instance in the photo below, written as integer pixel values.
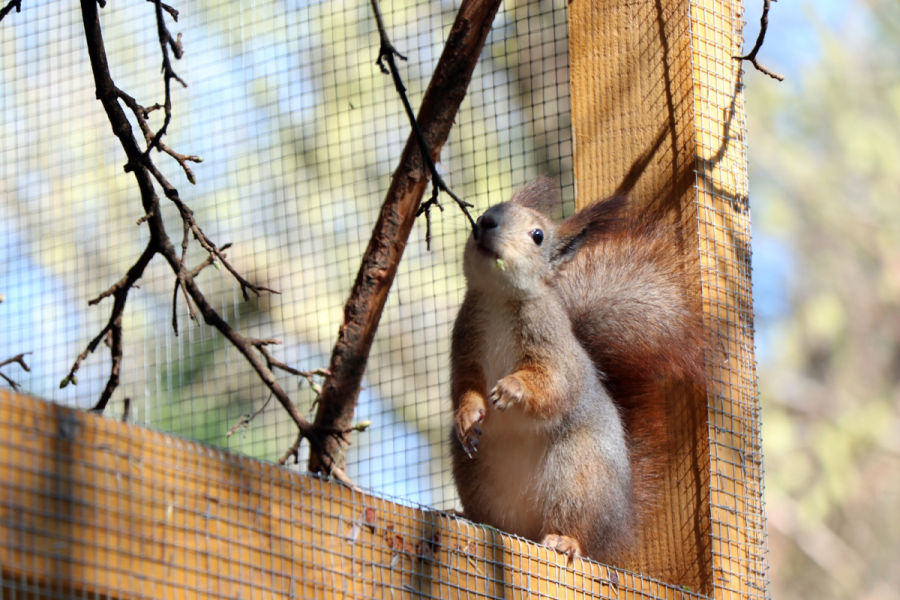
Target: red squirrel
(560, 356)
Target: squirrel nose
(484, 222)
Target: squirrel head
(516, 247)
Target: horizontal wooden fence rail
(91, 507)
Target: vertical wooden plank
(632, 99)
(740, 567)
(657, 112)
(634, 128)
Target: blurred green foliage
(825, 188)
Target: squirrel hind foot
(563, 544)
(468, 428)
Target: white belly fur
(516, 442)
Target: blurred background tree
(824, 153)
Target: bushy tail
(628, 294)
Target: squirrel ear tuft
(540, 194)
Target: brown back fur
(627, 293)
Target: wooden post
(657, 113)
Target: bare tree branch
(244, 421)
(210, 260)
(166, 41)
(12, 3)
(140, 164)
(119, 291)
(20, 359)
(362, 311)
(764, 26)
(386, 53)
(141, 114)
(169, 10)
(276, 364)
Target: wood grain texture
(657, 114)
(633, 122)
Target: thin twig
(169, 10)
(20, 359)
(11, 382)
(764, 26)
(386, 53)
(210, 260)
(274, 363)
(119, 291)
(294, 451)
(153, 140)
(187, 216)
(127, 412)
(244, 421)
(141, 113)
(5, 10)
(166, 41)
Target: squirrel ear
(540, 194)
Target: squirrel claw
(508, 390)
(468, 429)
(564, 545)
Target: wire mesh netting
(299, 133)
(738, 530)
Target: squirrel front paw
(468, 429)
(508, 390)
(564, 545)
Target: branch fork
(20, 359)
(386, 53)
(764, 26)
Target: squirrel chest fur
(539, 445)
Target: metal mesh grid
(299, 132)
(740, 553)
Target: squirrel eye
(538, 236)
